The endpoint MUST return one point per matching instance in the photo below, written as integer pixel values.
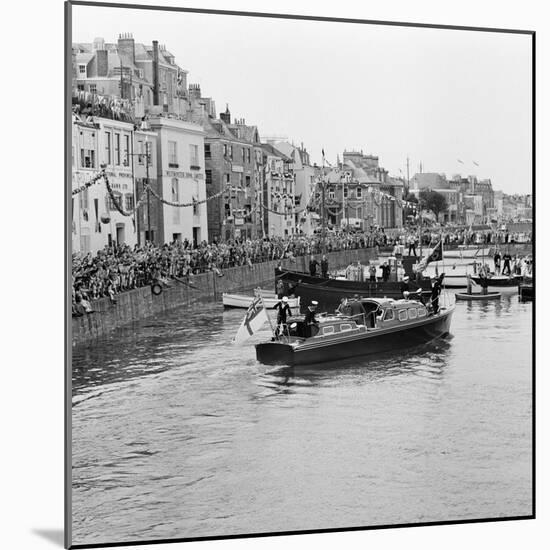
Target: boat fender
(156, 289)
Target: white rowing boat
(244, 301)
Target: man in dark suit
(436, 291)
(357, 310)
(312, 326)
(313, 263)
(324, 267)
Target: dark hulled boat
(388, 325)
(329, 291)
(498, 280)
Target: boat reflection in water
(386, 325)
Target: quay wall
(141, 303)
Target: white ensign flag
(253, 321)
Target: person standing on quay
(372, 273)
(313, 263)
(324, 267)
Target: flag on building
(253, 321)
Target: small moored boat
(243, 301)
(499, 280)
(387, 325)
(478, 296)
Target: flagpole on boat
(259, 295)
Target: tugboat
(386, 325)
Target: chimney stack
(126, 46)
(102, 62)
(194, 91)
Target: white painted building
(181, 178)
(96, 221)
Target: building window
(346, 192)
(117, 149)
(231, 152)
(87, 158)
(207, 152)
(175, 190)
(225, 149)
(173, 154)
(247, 181)
(93, 88)
(248, 155)
(208, 177)
(109, 202)
(108, 147)
(82, 69)
(140, 152)
(129, 202)
(243, 154)
(83, 199)
(227, 178)
(175, 198)
(359, 192)
(193, 155)
(80, 87)
(331, 194)
(126, 159)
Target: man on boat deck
(313, 263)
(324, 267)
(496, 258)
(404, 287)
(357, 310)
(283, 309)
(436, 291)
(506, 267)
(344, 308)
(311, 323)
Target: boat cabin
(385, 312)
(380, 313)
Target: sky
(436, 96)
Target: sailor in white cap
(310, 321)
(283, 310)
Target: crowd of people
(119, 268)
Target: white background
(32, 272)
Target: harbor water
(178, 433)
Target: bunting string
(116, 199)
(94, 180)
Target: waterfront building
(146, 77)
(181, 179)
(233, 171)
(102, 143)
(359, 194)
(279, 194)
(305, 183)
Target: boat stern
(275, 353)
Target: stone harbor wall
(141, 303)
